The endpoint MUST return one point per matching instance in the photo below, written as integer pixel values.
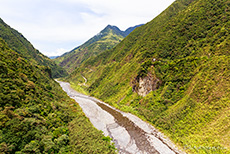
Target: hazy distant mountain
(53, 57)
(106, 39)
(130, 29)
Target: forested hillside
(20, 44)
(36, 116)
(180, 62)
(109, 37)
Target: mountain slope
(36, 116)
(20, 44)
(180, 62)
(109, 37)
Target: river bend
(130, 134)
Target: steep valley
(172, 72)
(36, 116)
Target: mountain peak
(111, 27)
(106, 39)
(115, 30)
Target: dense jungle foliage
(20, 44)
(187, 47)
(109, 37)
(36, 116)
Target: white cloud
(55, 25)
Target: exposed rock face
(145, 85)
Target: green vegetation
(86, 139)
(20, 44)
(187, 48)
(36, 116)
(79, 87)
(106, 39)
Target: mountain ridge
(104, 40)
(20, 44)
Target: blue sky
(57, 26)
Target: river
(130, 134)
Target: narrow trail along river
(130, 134)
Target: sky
(57, 26)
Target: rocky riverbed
(130, 134)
